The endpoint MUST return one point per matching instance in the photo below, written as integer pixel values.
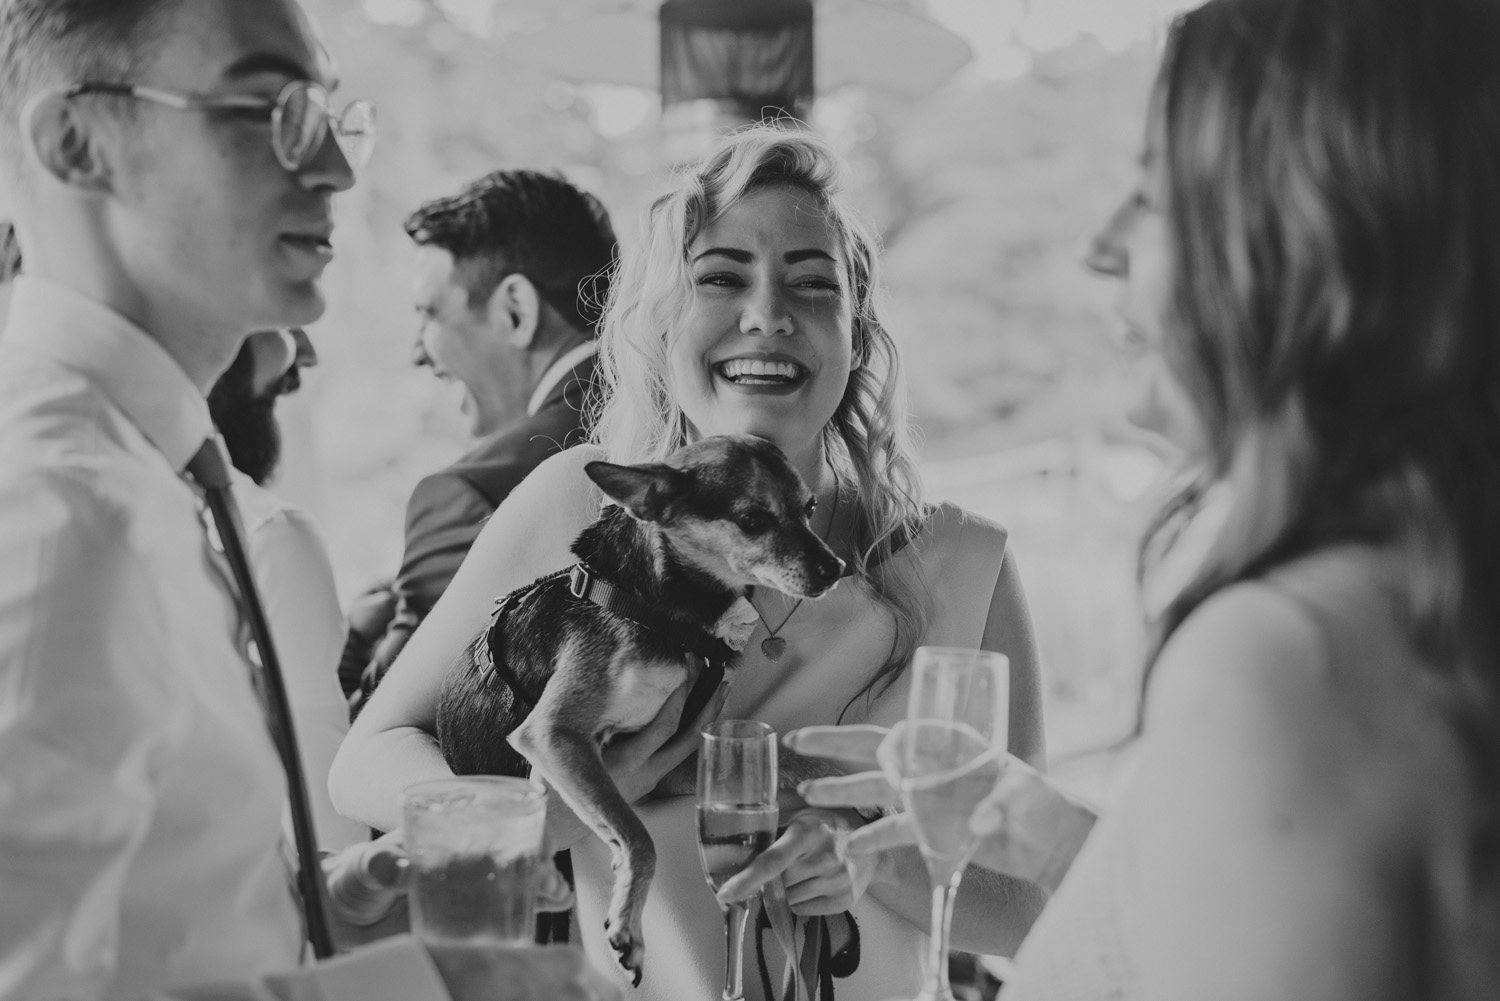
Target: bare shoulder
(1246, 649)
(946, 520)
(561, 474)
(1260, 782)
(1247, 687)
(546, 510)
(1255, 674)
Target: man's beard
(248, 423)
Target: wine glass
(945, 758)
(736, 820)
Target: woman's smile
(763, 373)
(766, 347)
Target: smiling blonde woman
(753, 307)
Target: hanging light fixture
(722, 63)
(755, 58)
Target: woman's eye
(720, 279)
(819, 284)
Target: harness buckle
(580, 581)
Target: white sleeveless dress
(834, 645)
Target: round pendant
(773, 647)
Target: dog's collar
(585, 583)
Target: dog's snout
(830, 568)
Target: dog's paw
(630, 948)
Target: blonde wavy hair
(869, 440)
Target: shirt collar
(557, 372)
(124, 361)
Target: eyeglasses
(301, 117)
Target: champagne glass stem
(944, 893)
(734, 951)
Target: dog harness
(584, 583)
(824, 947)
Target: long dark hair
(1332, 176)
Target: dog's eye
(812, 505)
(753, 522)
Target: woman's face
(767, 342)
(1132, 247)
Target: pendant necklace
(773, 646)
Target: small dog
(657, 600)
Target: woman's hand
(808, 858)
(638, 762)
(1027, 827)
(368, 882)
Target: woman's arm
(391, 744)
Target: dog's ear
(647, 492)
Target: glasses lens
(355, 130)
(301, 123)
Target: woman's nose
(1106, 255)
(766, 312)
(419, 355)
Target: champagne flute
(736, 820)
(945, 758)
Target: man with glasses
(170, 165)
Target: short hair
(51, 43)
(529, 223)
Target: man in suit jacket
(511, 278)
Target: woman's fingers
(896, 831)
(366, 880)
(819, 895)
(630, 752)
(686, 742)
(798, 840)
(865, 789)
(667, 717)
(552, 890)
(387, 862)
(853, 743)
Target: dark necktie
(210, 470)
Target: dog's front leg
(558, 740)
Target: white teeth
(739, 368)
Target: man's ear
(516, 304)
(646, 491)
(69, 143)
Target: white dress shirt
(295, 578)
(557, 372)
(140, 795)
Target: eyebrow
(745, 257)
(742, 256)
(811, 254)
(257, 63)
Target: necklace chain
(773, 646)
